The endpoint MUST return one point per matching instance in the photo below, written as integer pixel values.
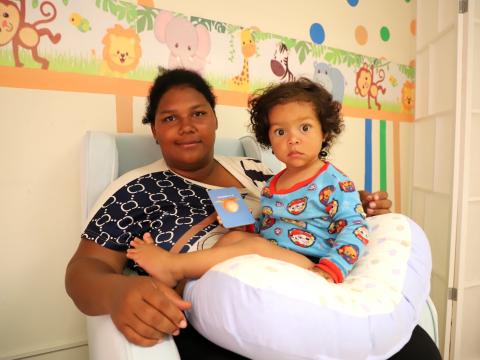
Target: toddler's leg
(156, 261)
(260, 246)
(231, 238)
(171, 268)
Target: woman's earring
(323, 154)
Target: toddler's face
(295, 134)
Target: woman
(183, 122)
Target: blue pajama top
(321, 217)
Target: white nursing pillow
(268, 309)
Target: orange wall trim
(146, 3)
(63, 81)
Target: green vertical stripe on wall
(383, 155)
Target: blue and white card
(231, 208)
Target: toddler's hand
(322, 273)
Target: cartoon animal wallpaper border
(105, 46)
(113, 41)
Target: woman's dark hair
(168, 79)
(303, 89)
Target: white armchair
(107, 156)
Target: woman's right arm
(143, 309)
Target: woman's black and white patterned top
(174, 209)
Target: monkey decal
(365, 86)
(279, 63)
(14, 29)
(331, 79)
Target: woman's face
(184, 127)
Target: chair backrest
(106, 156)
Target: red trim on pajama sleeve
(331, 269)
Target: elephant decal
(189, 45)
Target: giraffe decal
(241, 82)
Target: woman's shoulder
(139, 173)
(133, 178)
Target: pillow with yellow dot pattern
(263, 308)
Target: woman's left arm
(375, 203)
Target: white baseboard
(72, 351)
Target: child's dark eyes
(305, 128)
(279, 132)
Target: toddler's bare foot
(148, 238)
(158, 262)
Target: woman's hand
(376, 203)
(145, 310)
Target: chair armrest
(106, 342)
(253, 149)
(99, 167)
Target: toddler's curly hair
(303, 90)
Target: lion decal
(408, 96)
(121, 51)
